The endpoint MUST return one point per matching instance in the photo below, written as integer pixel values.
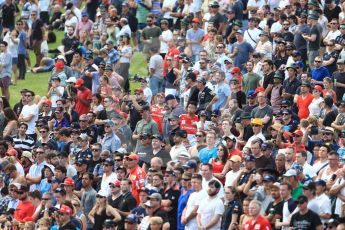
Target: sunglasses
(118, 160)
(99, 196)
(113, 186)
(199, 135)
(39, 152)
(43, 131)
(256, 125)
(328, 134)
(186, 179)
(106, 165)
(95, 150)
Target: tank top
(100, 219)
(171, 76)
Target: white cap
(71, 80)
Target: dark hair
(215, 183)
(225, 155)
(197, 176)
(128, 180)
(304, 153)
(61, 168)
(10, 114)
(334, 153)
(36, 194)
(22, 123)
(98, 96)
(5, 102)
(160, 175)
(90, 175)
(209, 166)
(234, 191)
(65, 132)
(288, 185)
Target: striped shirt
(24, 144)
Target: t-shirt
(156, 63)
(223, 92)
(193, 201)
(206, 154)
(195, 35)
(30, 110)
(189, 123)
(244, 49)
(302, 105)
(251, 81)
(260, 223)
(315, 45)
(310, 220)
(86, 94)
(24, 209)
(208, 208)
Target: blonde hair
(156, 220)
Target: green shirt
(297, 191)
(251, 81)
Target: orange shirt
(137, 177)
(86, 95)
(302, 104)
(24, 210)
(157, 116)
(189, 123)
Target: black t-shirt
(8, 17)
(173, 195)
(315, 45)
(334, 13)
(339, 77)
(37, 30)
(278, 208)
(114, 203)
(241, 98)
(310, 220)
(217, 19)
(329, 118)
(127, 204)
(262, 162)
(68, 226)
(162, 214)
(327, 56)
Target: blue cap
(300, 64)
(82, 161)
(159, 137)
(170, 97)
(266, 146)
(109, 161)
(269, 178)
(84, 14)
(216, 112)
(250, 158)
(251, 93)
(190, 164)
(132, 218)
(320, 182)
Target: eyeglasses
(301, 202)
(220, 47)
(286, 114)
(186, 179)
(39, 152)
(43, 131)
(317, 61)
(19, 24)
(46, 105)
(333, 23)
(99, 196)
(46, 198)
(77, 164)
(27, 95)
(201, 63)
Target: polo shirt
(24, 209)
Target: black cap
(181, 133)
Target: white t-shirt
(208, 208)
(332, 35)
(220, 194)
(106, 180)
(230, 177)
(20, 168)
(339, 202)
(30, 110)
(54, 97)
(252, 36)
(148, 95)
(169, 4)
(309, 170)
(254, 3)
(194, 200)
(166, 35)
(71, 22)
(325, 206)
(314, 106)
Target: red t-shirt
(157, 116)
(24, 209)
(189, 123)
(80, 108)
(235, 152)
(137, 177)
(302, 104)
(260, 223)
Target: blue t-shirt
(182, 202)
(22, 41)
(205, 154)
(223, 92)
(244, 49)
(320, 73)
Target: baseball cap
(236, 158)
(310, 185)
(116, 183)
(132, 218)
(196, 20)
(109, 224)
(65, 210)
(235, 70)
(71, 80)
(68, 181)
(170, 97)
(290, 173)
(269, 178)
(190, 164)
(79, 83)
(156, 196)
(82, 161)
(132, 156)
(84, 137)
(11, 152)
(109, 161)
(181, 133)
(249, 158)
(257, 121)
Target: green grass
(38, 82)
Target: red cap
(12, 152)
(235, 70)
(196, 20)
(123, 114)
(49, 102)
(139, 90)
(259, 89)
(68, 181)
(133, 156)
(59, 65)
(298, 132)
(79, 83)
(65, 210)
(319, 88)
(116, 183)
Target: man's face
(300, 159)
(205, 171)
(249, 66)
(280, 161)
(284, 192)
(275, 192)
(70, 31)
(255, 148)
(156, 144)
(125, 187)
(254, 209)
(318, 62)
(44, 133)
(212, 190)
(149, 21)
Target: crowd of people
(238, 123)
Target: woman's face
(220, 152)
(48, 173)
(246, 207)
(94, 100)
(326, 84)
